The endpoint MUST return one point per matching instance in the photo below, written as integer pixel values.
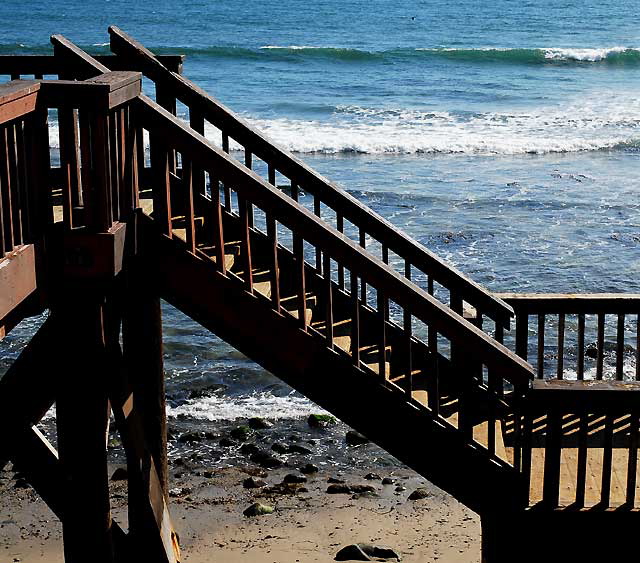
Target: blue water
(503, 135)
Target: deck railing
(584, 336)
(227, 190)
(302, 184)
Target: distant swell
(530, 56)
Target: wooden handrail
(329, 193)
(573, 303)
(255, 189)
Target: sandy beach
(307, 524)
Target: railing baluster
(187, 183)
(638, 347)
(620, 348)
(68, 163)
(433, 394)
(632, 465)
(560, 371)
(22, 167)
(131, 169)
(522, 334)
(340, 227)
(122, 157)
(114, 184)
(600, 347)
(102, 209)
(5, 188)
(363, 285)
(245, 241)
(196, 121)
(541, 318)
(432, 337)
(408, 333)
(493, 395)
(316, 212)
(271, 173)
(355, 320)
(298, 252)
(329, 300)
(294, 191)
(161, 184)
(272, 235)
(218, 230)
(225, 142)
(382, 305)
(580, 366)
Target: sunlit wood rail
(132, 202)
(584, 336)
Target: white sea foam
(262, 404)
(585, 55)
(594, 124)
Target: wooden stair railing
(328, 201)
(374, 318)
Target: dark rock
(355, 439)
(21, 484)
(339, 489)
(240, 433)
(352, 553)
(179, 462)
(335, 480)
(366, 552)
(211, 435)
(419, 494)
(320, 420)
(280, 448)
(259, 424)
(249, 449)
(266, 460)
(191, 437)
(309, 469)
(372, 477)
(388, 481)
(400, 488)
(294, 438)
(298, 449)
(208, 473)
(120, 474)
(292, 478)
(253, 483)
(227, 443)
(362, 489)
(258, 509)
(180, 491)
(204, 391)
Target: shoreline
(308, 524)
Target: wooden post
(82, 417)
(142, 353)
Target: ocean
(505, 136)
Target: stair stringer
(411, 434)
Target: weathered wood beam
(78, 64)
(17, 98)
(82, 411)
(573, 303)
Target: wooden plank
(17, 99)
(540, 364)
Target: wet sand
(307, 525)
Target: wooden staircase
(300, 277)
